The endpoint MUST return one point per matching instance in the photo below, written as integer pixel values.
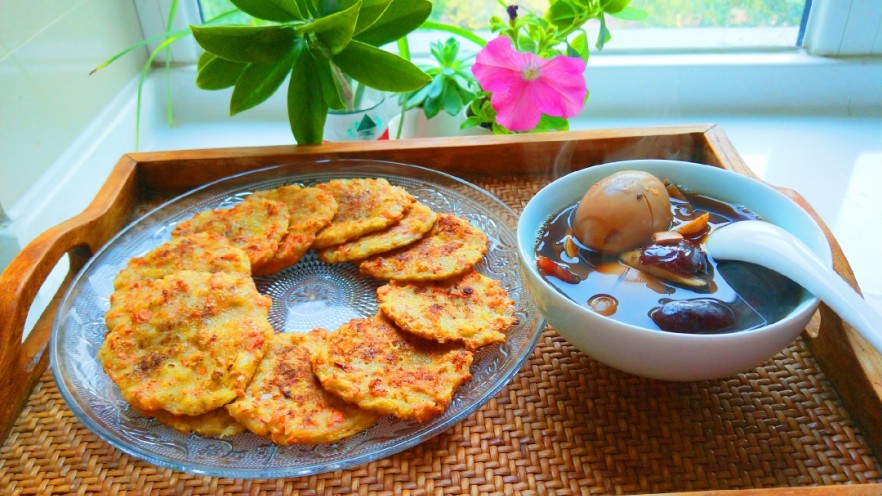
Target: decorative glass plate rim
(358, 166)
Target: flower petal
(498, 64)
(516, 108)
(558, 90)
(563, 86)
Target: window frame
(837, 68)
(834, 28)
(844, 28)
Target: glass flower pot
(368, 121)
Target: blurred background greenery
(472, 14)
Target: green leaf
(403, 47)
(526, 44)
(175, 35)
(462, 33)
(436, 86)
(603, 36)
(461, 80)
(615, 6)
(204, 59)
(371, 11)
(260, 44)
(335, 30)
(400, 18)
(379, 69)
(259, 81)
(307, 111)
(578, 46)
(431, 107)
(271, 10)
(630, 14)
(144, 70)
(293, 7)
(470, 122)
(215, 73)
(549, 123)
(331, 90)
(328, 7)
(562, 14)
(417, 98)
(451, 100)
(466, 95)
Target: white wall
(48, 102)
(47, 98)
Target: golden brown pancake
(255, 226)
(364, 206)
(471, 308)
(286, 403)
(310, 210)
(451, 247)
(381, 368)
(216, 423)
(203, 252)
(415, 223)
(188, 343)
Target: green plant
(560, 31)
(539, 41)
(481, 113)
(328, 50)
(452, 86)
(319, 46)
(164, 41)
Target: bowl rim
(526, 254)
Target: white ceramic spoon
(774, 248)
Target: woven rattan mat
(566, 424)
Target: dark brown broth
(757, 295)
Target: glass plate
(310, 294)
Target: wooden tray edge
(853, 367)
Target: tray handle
(22, 362)
(847, 359)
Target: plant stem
(463, 33)
(144, 70)
(345, 87)
(403, 52)
(357, 97)
(168, 59)
(400, 121)
(403, 48)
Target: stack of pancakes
(189, 343)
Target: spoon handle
(772, 247)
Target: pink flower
(525, 86)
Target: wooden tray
(807, 421)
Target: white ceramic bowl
(651, 352)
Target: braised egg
(621, 211)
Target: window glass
(211, 9)
(669, 24)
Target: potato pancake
(286, 403)
(415, 223)
(451, 247)
(310, 210)
(365, 205)
(381, 368)
(255, 226)
(471, 308)
(280, 194)
(188, 343)
(203, 252)
(216, 423)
